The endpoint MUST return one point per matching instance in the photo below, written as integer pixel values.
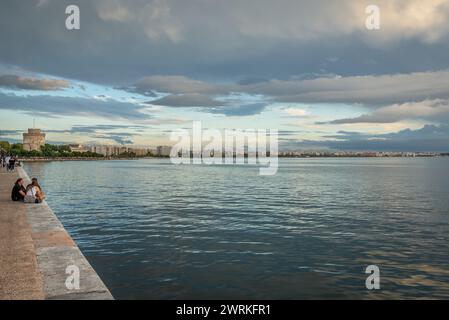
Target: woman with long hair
(18, 191)
(34, 191)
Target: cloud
(368, 90)
(26, 83)
(202, 54)
(8, 135)
(104, 132)
(176, 84)
(154, 17)
(305, 20)
(296, 113)
(414, 18)
(10, 132)
(436, 110)
(113, 10)
(55, 106)
(239, 110)
(186, 92)
(187, 100)
(120, 138)
(430, 138)
(121, 134)
(407, 94)
(167, 121)
(210, 104)
(285, 19)
(41, 3)
(97, 128)
(224, 41)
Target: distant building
(163, 151)
(33, 140)
(78, 148)
(113, 150)
(104, 150)
(140, 152)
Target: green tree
(5, 146)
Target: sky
(137, 70)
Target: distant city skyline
(137, 70)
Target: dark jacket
(15, 193)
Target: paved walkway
(35, 251)
(19, 274)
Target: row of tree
(47, 150)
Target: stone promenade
(37, 255)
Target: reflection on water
(158, 231)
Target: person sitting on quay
(18, 191)
(34, 193)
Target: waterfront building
(114, 150)
(139, 152)
(78, 148)
(33, 140)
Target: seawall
(36, 252)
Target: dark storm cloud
(121, 41)
(53, 106)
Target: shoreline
(61, 159)
(70, 159)
(46, 159)
(52, 256)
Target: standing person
(18, 191)
(12, 164)
(6, 162)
